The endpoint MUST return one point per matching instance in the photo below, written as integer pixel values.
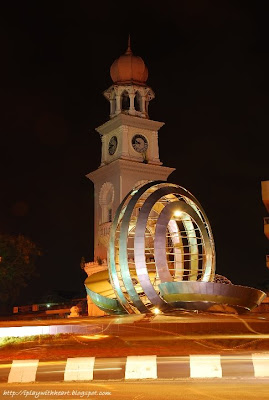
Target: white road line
(23, 371)
(205, 366)
(141, 367)
(260, 364)
(79, 369)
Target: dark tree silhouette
(18, 256)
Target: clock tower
(130, 151)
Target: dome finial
(129, 50)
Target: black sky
(208, 64)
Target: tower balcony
(266, 227)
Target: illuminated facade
(153, 245)
(130, 151)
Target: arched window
(125, 101)
(138, 101)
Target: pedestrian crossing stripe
(23, 371)
(140, 367)
(79, 369)
(261, 364)
(205, 366)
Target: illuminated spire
(129, 50)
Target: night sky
(208, 64)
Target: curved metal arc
(110, 306)
(139, 245)
(206, 295)
(160, 240)
(139, 253)
(189, 227)
(194, 203)
(111, 257)
(123, 254)
(123, 217)
(179, 254)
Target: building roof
(128, 69)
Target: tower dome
(129, 69)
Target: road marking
(141, 367)
(145, 367)
(260, 364)
(79, 369)
(23, 371)
(205, 366)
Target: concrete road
(245, 389)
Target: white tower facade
(130, 151)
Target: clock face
(140, 143)
(112, 146)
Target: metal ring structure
(114, 266)
(211, 296)
(161, 255)
(160, 234)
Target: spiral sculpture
(161, 256)
(160, 234)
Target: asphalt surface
(183, 389)
(175, 367)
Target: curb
(254, 365)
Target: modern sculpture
(161, 256)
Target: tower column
(103, 150)
(132, 107)
(143, 106)
(155, 147)
(124, 139)
(118, 105)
